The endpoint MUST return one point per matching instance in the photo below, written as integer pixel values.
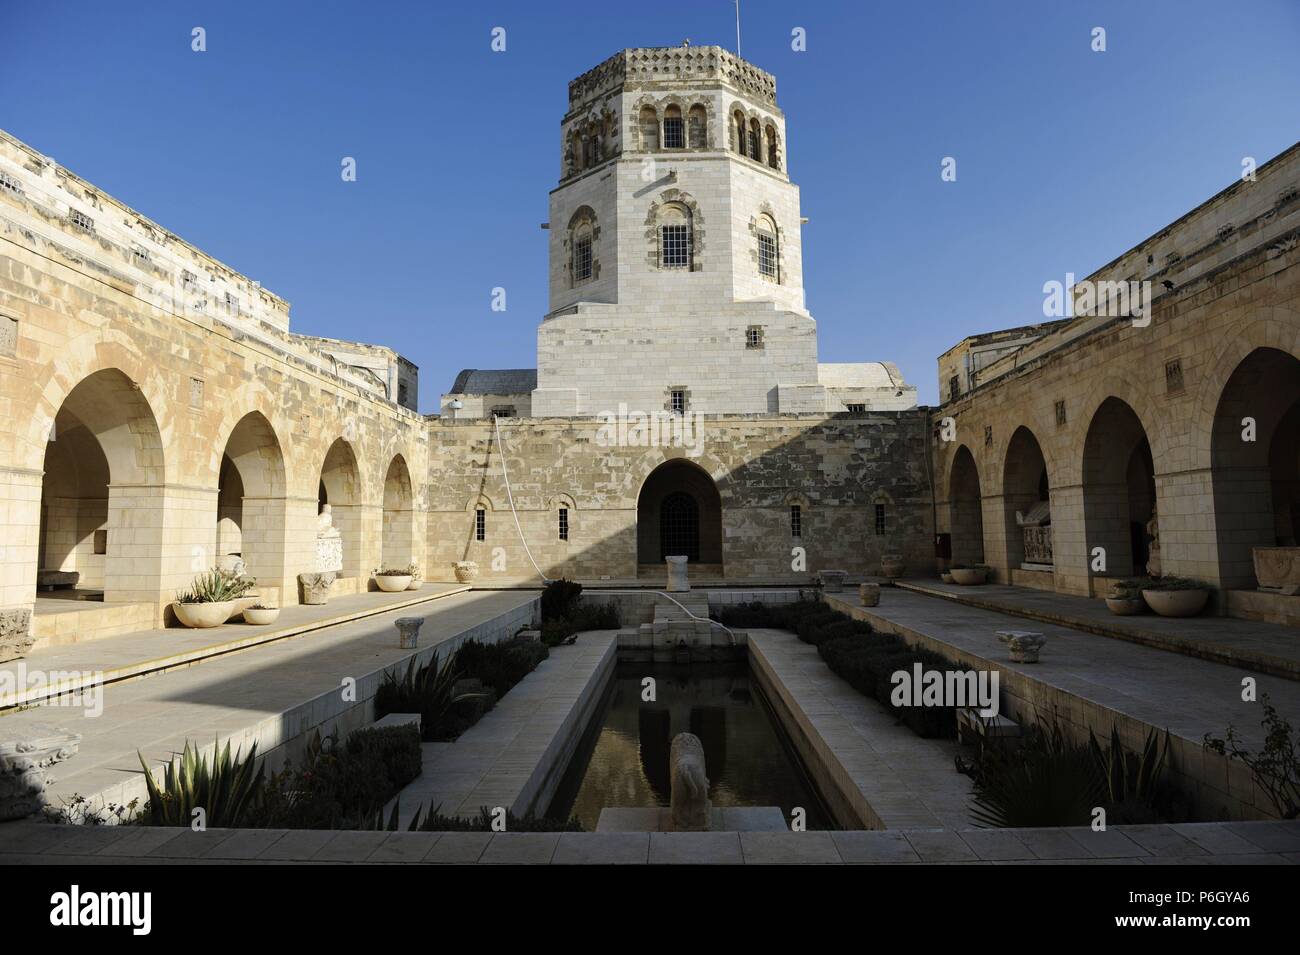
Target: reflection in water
(625, 761)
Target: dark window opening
(480, 524)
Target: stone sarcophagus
(1036, 529)
(1277, 569)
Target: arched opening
(674, 128)
(698, 126)
(340, 489)
(679, 511)
(103, 464)
(676, 243)
(1026, 496)
(1255, 463)
(1119, 491)
(773, 155)
(755, 141)
(398, 541)
(739, 130)
(648, 123)
(769, 256)
(966, 517)
(251, 501)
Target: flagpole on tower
(737, 27)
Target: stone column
(998, 524)
(20, 522)
(1070, 548)
(678, 578)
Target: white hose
(505, 474)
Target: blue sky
(1065, 157)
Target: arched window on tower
(773, 154)
(675, 240)
(755, 140)
(582, 251)
(769, 265)
(697, 127)
(649, 126)
(740, 131)
(674, 128)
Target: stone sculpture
(16, 636)
(316, 588)
(690, 785)
(23, 761)
(1036, 532)
(1153, 531)
(1277, 569)
(408, 632)
(678, 579)
(329, 545)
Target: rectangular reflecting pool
(622, 760)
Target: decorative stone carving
(316, 588)
(1023, 644)
(16, 637)
(1036, 530)
(869, 594)
(690, 784)
(833, 580)
(1153, 531)
(23, 761)
(466, 570)
(678, 576)
(408, 630)
(1278, 569)
(329, 545)
(232, 564)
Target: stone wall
(837, 469)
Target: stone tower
(676, 273)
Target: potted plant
(466, 570)
(391, 580)
(892, 566)
(417, 581)
(970, 576)
(211, 598)
(260, 614)
(1176, 596)
(1125, 596)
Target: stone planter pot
(261, 617)
(466, 570)
(969, 576)
(892, 567)
(1125, 606)
(392, 583)
(869, 594)
(416, 584)
(946, 577)
(1176, 603)
(202, 616)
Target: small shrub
(499, 665)
(1275, 768)
(1174, 583)
(560, 599)
(602, 616)
(432, 691)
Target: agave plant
(1047, 782)
(223, 787)
(429, 690)
(1130, 777)
(216, 586)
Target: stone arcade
(161, 418)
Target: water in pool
(623, 760)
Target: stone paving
(515, 755)
(148, 651)
(886, 775)
(1092, 682)
(271, 695)
(1233, 843)
(1265, 647)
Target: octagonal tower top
(664, 67)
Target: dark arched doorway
(1119, 491)
(679, 511)
(966, 517)
(1027, 513)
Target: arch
(674, 127)
(103, 460)
(1026, 502)
(767, 238)
(398, 538)
(697, 136)
(648, 129)
(679, 506)
(1119, 494)
(675, 228)
(251, 498)
(583, 264)
(1255, 462)
(340, 487)
(771, 147)
(739, 130)
(966, 518)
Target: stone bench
(50, 579)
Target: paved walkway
(890, 777)
(1237, 843)
(514, 756)
(1262, 647)
(270, 694)
(49, 671)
